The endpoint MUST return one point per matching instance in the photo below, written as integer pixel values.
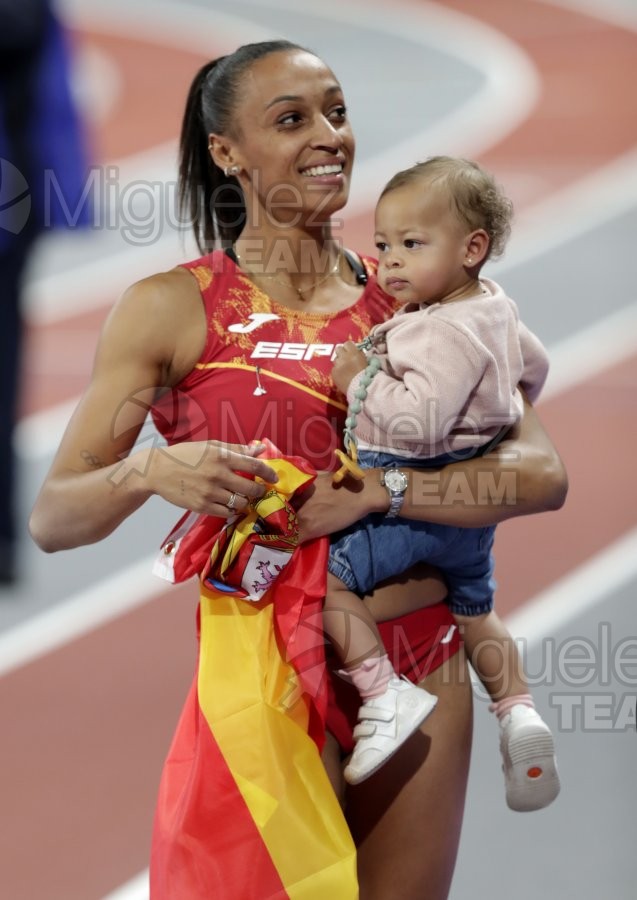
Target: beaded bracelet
(349, 459)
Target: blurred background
(95, 654)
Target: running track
(81, 766)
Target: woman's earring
(231, 170)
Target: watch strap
(396, 495)
(396, 500)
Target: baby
(440, 384)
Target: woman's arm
(523, 475)
(151, 340)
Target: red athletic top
(265, 370)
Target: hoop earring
(229, 171)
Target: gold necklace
(287, 284)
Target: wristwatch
(396, 483)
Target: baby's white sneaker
(528, 760)
(384, 724)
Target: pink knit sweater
(449, 375)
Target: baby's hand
(349, 362)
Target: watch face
(395, 480)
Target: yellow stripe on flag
(244, 684)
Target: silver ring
(232, 500)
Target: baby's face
(422, 246)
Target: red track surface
(81, 768)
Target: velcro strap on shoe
(363, 730)
(372, 712)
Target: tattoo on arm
(91, 460)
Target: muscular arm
(522, 476)
(151, 340)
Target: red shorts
(417, 644)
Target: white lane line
(585, 587)
(38, 436)
(569, 213)
(510, 88)
(541, 617)
(79, 614)
(97, 82)
(151, 173)
(589, 352)
(573, 211)
(179, 26)
(509, 79)
(616, 13)
(135, 889)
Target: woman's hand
(325, 507)
(522, 476)
(207, 476)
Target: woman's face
(292, 140)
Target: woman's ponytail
(196, 181)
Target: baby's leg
(493, 655)
(349, 625)
(526, 742)
(393, 708)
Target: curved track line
(571, 422)
(184, 26)
(609, 11)
(85, 611)
(589, 584)
(573, 211)
(509, 92)
(581, 206)
(136, 889)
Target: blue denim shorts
(377, 548)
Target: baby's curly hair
(475, 196)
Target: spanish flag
(245, 809)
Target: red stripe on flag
(204, 836)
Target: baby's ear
(476, 248)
